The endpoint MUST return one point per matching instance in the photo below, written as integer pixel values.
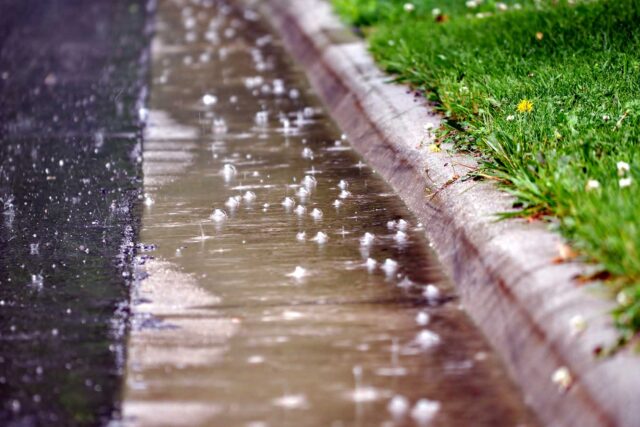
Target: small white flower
(592, 184)
(623, 167)
(511, 118)
(562, 378)
(472, 4)
(409, 7)
(578, 324)
(606, 118)
(625, 182)
(436, 11)
(623, 298)
(501, 6)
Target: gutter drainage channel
(504, 270)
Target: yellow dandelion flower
(434, 148)
(525, 106)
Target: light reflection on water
(287, 288)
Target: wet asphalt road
(73, 77)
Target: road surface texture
(72, 79)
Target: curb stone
(504, 270)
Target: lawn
(547, 94)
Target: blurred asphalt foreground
(72, 80)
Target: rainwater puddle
(289, 286)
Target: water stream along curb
(504, 271)
(281, 281)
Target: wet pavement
(72, 78)
(282, 283)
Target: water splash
(219, 215)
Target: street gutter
(506, 272)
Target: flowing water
(261, 300)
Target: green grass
(579, 64)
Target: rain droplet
(302, 193)
(209, 99)
(37, 281)
(427, 339)
(148, 200)
(390, 266)
(291, 401)
(371, 264)
(309, 182)
(422, 318)
(405, 283)
(249, 196)
(307, 153)
(255, 360)
(288, 202)
(298, 273)
(228, 171)
(316, 214)
(400, 237)
(367, 239)
(232, 202)
(219, 125)
(321, 238)
(278, 87)
(219, 215)
(431, 293)
(398, 405)
(262, 117)
(424, 411)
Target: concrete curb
(504, 271)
